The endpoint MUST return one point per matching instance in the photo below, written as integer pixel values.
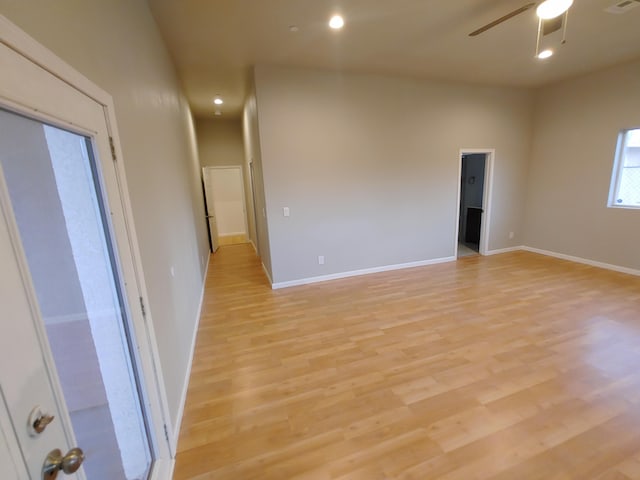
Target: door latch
(38, 421)
(55, 462)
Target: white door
(211, 212)
(225, 198)
(68, 374)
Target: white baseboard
(367, 271)
(355, 273)
(183, 397)
(163, 470)
(254, 246)
(504, 250)
(585, 261)
(266, 272)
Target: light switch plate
(285, 211)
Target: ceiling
(214, 43)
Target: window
(625, 184)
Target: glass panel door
(55, 191)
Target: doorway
(473, 203)
(225, 205)
(76, 361)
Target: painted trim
(584, 261)
(387, 268)
(163, 470)
(183, 397)
(486, 201)
(498, 251)
(266, 272)
(21, 42)
(356, 273)
(457, 211)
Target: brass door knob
(56, 462)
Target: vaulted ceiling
(214, 43)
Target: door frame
(252, 184)
(148, 361)
(486, 197)
(244, 200)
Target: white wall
(116, 44)
(576, 128)
(369, 166)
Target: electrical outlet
(320, 259)
(285, 211)
(511, 235)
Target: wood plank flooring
(232, 239)
(510, 367)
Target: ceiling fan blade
(500, 20)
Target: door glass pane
(52, 180)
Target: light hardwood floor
(510, 367)
(232, 239)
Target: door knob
(55, 462)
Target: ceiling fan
(552, 16)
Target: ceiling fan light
(553, 8)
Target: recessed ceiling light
(553, 8)
(218, 113)
(336, 22)
(293, 28)
(545, 54)
(218, 101)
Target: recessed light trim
(336, 22)
(553, 8)
(545, 54)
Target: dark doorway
(471, 203)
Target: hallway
(511, 366)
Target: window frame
(618, 166)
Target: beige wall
(576, 128)
(369, 166)
(220, 142)
(116, 44)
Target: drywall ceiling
(215, 42)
